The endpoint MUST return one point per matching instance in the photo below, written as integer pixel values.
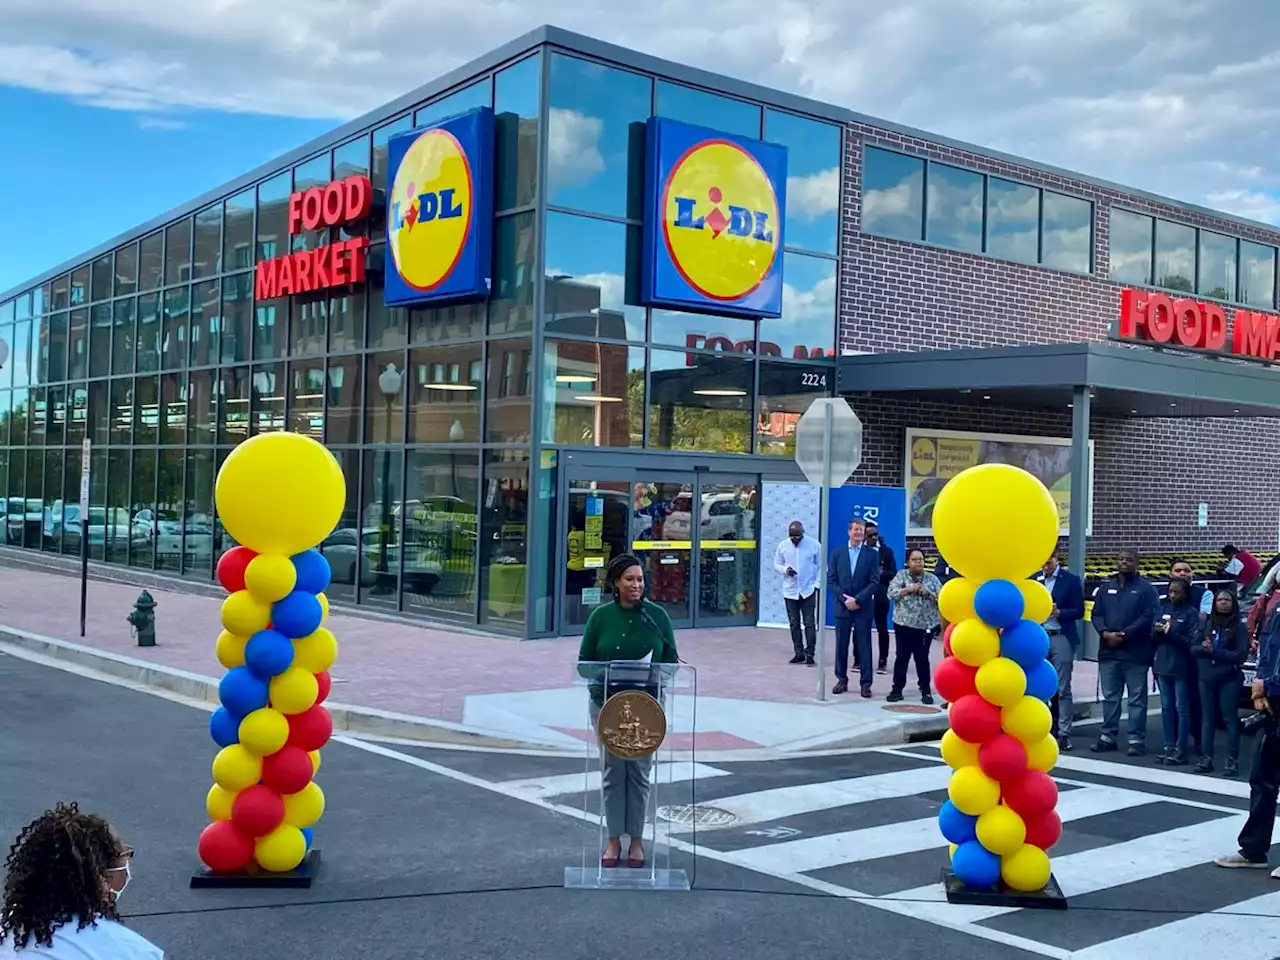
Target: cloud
(801, 307)
(573, 146)
(161, 123)
(814, 196)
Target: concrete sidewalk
(430, 683)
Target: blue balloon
(999, 603)
(268, 653)
(312, 570)
(241, 692)
(297, 615)
(957, 827)
(224, 727)
(1025, 643)
(975, 866)
(309, 835)
(1042, 681)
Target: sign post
(84, 529)
(828, 450)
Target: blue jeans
(1175, 710)
(1115, 676)
(1218, 698)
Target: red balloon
(311, 729)
(231, 568)
(954, 679)
(287, 771)
(1044, 831)
(326, 684)
(946, 639)
(1031, 795)
(1003, 758)
(257, 811)
(975, 720)
(223, 848)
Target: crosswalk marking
(1222, 933)
(589, 781)
(872, 843)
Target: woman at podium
(630, 628)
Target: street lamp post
(390, 381)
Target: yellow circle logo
(924, 457)
(429, 217)
(720, 220)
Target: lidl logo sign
(713, 229)
(440, 210)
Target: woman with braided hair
(64, 874)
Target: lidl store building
(595, 332)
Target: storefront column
(1080, 473)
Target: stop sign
(846, 440)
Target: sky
(115, 112)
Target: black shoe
(866, 691)
(926, 698)
(842, 686)
(1204, 765)
(798, 658)
(1177, 759)
(808, 660)
(1064, 744)
(1164, 754)
(1136, 750)
(1104, 746)
(895, 696)
(1231, 769)
(882, 666)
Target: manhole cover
(911, 708)
(697, 815)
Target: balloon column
(996, 525)
(277, 495)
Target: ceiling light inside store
(575, 378)
(597, 398)
(456, 387)
(720, 392)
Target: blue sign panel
(887, 506)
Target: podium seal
(632, 724)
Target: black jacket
(1230, 650)
(888, 570)
(1128, 608)
(1173, 649)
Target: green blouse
(614, 632)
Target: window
(591, 126)
(117, 522)
(121, 410)
(509, 396)
(236, 327)
(1175, 256)
(813, 179)
(514, 255)
(954, 208)
(689, 105)
(381, 136)
(177, 317)
(208, 243)
(445, 394)
(306, 398)
(148, 342)
(702, 331)
(151, 262)
(351, 160)
(123, 335)
(380, 545)
(1068, 233)
(342, 547)
(1257, 275)
(127, 269)
(197, 513)
(592, 276)
(61, 298)
(593, 394)
(892, 194)
(202, 407)
(786, 390)
(1013, 220)
(146, 409)
(307, 327)
(271, 321)
(273, 216)
(384, 398)
(177, 253)
(479, 94)
(459, 321)
(1130, 240)
(442, 491)
(103, 274)
(100, 324)
(316, 172)
(233, 390)
(80, 283)
(173, 408)
(504, 518)
(204, 323)
(517, 91)
(342, 411)
(78, 345)
(237, 231)
(346, 321)
(387, 326)
(699, 402)
(142, 510)
(807, 326)
(77, 415)
(1217, 266)
(57, 347)
(168, 521)
(266, 398)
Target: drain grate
(697, 815)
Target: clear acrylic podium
(609, 782)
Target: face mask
(128, 876)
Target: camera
(1257, 722)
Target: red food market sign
(332, 265)
(1182, 323)
(700, 341)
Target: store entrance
(694, 532)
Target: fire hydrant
(143, 619)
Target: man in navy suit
(854, 574)
(1064, 639)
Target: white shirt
(108, 940)
(802, 558)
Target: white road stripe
(590, 780)
(1222, 933)
(853, 846)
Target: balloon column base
(299, 877)
(1050, 897)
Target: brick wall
(1149, 475)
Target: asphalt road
(416, 863)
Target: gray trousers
(624, 788)
(1063, 657)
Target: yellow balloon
(218, 803)
(230, 649)
(270, 577)
(1029, 720)
(951, 850)
(994, 521)
(306, 807)
(315, 761)
(280, 493)
(324, 606)
(955, 602)
(1026, 869)
(972, 791)
(974, 643)
(316, 652)
(264, 731)
(243, 615)
(1038, 602)
(956, 752)
(1001, 831)
(280, 850)
(235, 768)
(1000, 681)
(1043, 753)
(294, 691)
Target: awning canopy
(1123, 381)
